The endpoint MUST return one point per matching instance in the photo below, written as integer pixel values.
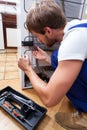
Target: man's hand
(41, 55)
(24, 63)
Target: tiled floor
(8, 66)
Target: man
(46, 21)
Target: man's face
(50, 41)
(44, 39)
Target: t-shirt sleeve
(74, 46)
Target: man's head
(45, 15)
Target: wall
(1, 34)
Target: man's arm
(62, 79)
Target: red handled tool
(16, 112)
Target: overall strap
(82, 25)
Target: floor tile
(11, 58)
(11, 50)
(2, 63)
(3, 55)
(2, 68)
(11, 54)
(1, 76)
(11, 68)
(2, 58)
(10, 63)
(11, 75)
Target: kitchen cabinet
(9, 29)
(8, 13)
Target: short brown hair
(45, 14)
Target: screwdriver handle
(17, 114)
(8, 105)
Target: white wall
(1, 34)
(4, 8)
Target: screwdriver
(16, 112)
(8, 105)
(20, 116)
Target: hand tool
(2, 98)
(21, 100)
(20, 116)
(16, 112)
(3, 95)
(7, 105)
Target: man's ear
(48, 31)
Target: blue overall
(78, 92)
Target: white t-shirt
(74, 44)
